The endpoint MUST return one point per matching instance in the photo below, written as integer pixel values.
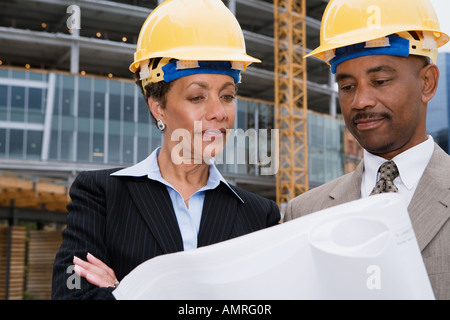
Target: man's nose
(364, 97)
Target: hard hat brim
(358, 37)
(201, 55)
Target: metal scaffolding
(291, 98)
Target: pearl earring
(161, 125)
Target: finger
(96, 261)
(80, 262)
(84, 264)
(99, 281)
(101, 275)
(89, 267)
(99, 263)
(94, 278)
(80, 271)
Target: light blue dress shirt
(188, 217)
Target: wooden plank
(3, 262)
(42, 249)
(28, 193)
(16, 271)
(45, 187)
(15, 183)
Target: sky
(442, 8)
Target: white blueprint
(365, 249)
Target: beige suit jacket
(429, 210)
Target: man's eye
(381, 82)
(346, 88)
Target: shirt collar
(149, 167)
(411, 164)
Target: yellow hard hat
(191, 30)
(350, 22)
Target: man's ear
(156, 108)
(430, 78)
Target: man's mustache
(370, 115)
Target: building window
(17, 104)
(2, 142)
(34, 144)
(16, 138)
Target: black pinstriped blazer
(125, 221)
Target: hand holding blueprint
(365, 249)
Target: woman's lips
(211, 134)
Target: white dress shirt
(188, 217)
(411, 164)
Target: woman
(175, 199)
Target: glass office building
(438, 118)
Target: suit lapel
(155, 206)
(430, 206)
(349, 188)
(218, 216)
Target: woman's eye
(228, 97)
(196, 98)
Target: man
(382, 53)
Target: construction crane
(291, 98)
